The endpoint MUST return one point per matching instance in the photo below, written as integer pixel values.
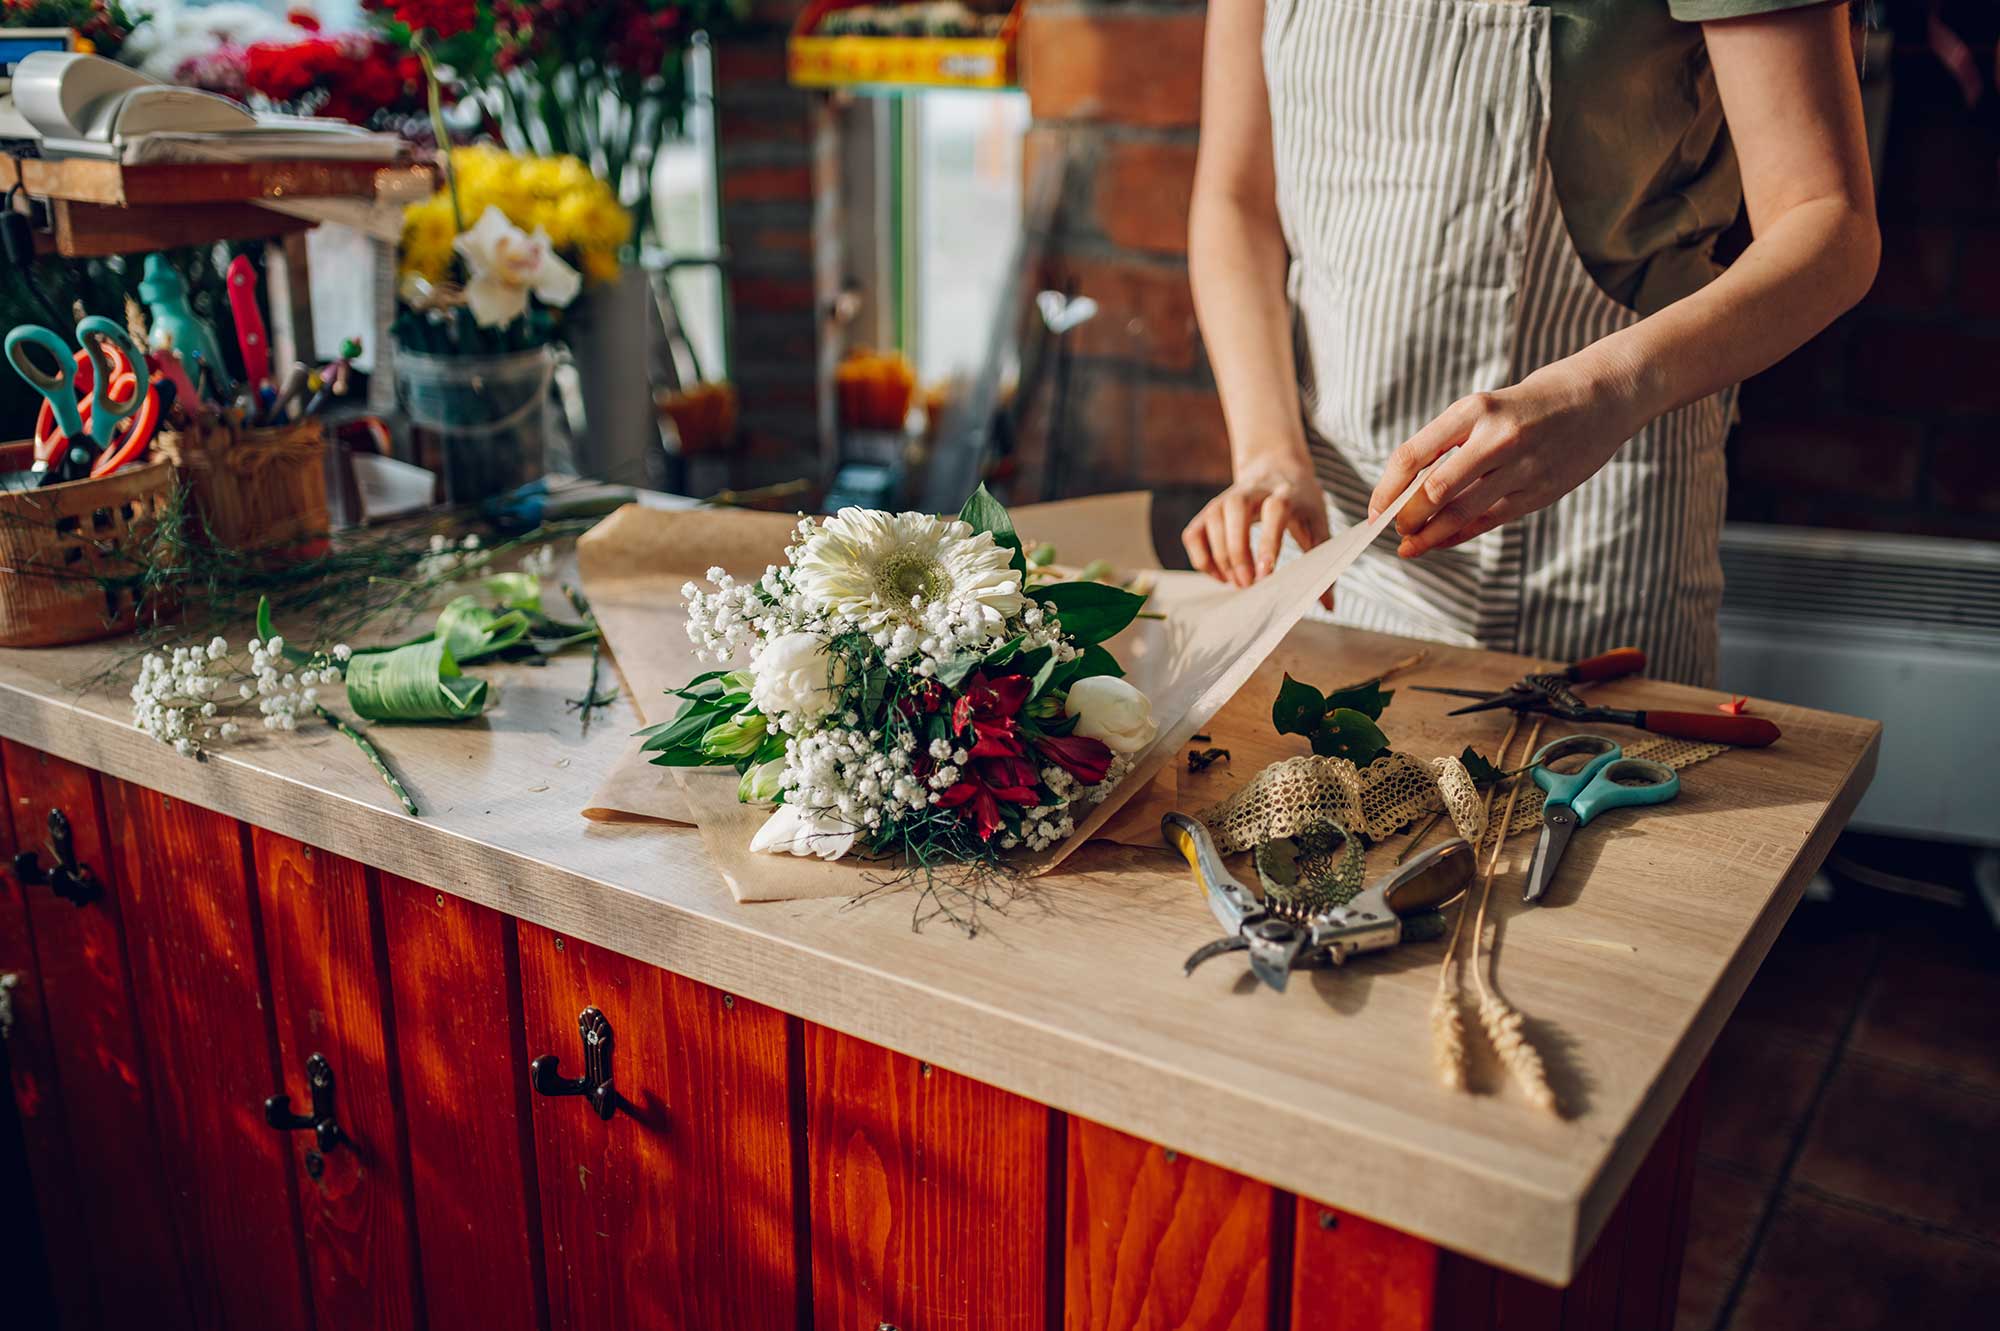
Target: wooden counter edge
(1456, 1204)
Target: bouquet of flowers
(101, 26)
(602, 80)
(913, 688)
(488, 288)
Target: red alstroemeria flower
(990, 705)
(990, 783)
(1086, 759)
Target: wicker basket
(59, 543)
(259, 491)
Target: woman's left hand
(1516, 450)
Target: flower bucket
(488, 414)
(606, 332)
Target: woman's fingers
(1448, 429)
(1236, 556)
(1194, 539)
(1465, 506)
(1505, 509)
(1274, 519)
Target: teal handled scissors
(108, 356)
(1605, 779)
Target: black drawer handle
(68, 877)
(595, 1084)
(320, 1122)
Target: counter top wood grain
(1073, 993)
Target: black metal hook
(595, 1083)
(67, 877)
(321, 1122)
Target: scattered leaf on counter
(1368, 698)
(1346, 733)
(1478, 768)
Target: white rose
(1109, 709)
(794, 831)
(793, 676)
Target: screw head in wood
(1171, 1156)
(729, 1000)
(558, 944)
(1328, 1220)
(924, 1069)
(440, 898)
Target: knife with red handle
(251, 338)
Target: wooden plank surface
(677, 1213)
(929, 1193)
(328, 990)
(455, 982)
(37, 1096)
(1157, 1240)
(1074, 995)
(80, 957)
(88, 180)
(1352, 1274)
(197, 971)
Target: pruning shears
(1550, 693)
(1280, 942)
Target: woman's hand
(1282, 494)
(1501, 456)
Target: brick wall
(1889, 421)
(1117, 85)
(771, 144)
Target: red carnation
(441, 18)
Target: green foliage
(982, 512)
(1338, 726)
(1481, 771)
(1091, 612)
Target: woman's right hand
(1282, 495)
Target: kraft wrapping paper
(1190, 663)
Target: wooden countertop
(1074, 995)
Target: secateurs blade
(1279, 944)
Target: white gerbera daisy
(881, 567)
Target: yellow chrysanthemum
(582, 216)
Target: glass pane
(687, 218)
(966, 195)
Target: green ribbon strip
(417, 682)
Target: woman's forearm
(1236, 264)
(1806, 267)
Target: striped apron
(1430, 260)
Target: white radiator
(1899, 628)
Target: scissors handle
(139, 428)
(1563, 787)
(1624, 783)
(58, 390)
(113, 356)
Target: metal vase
(609, 330)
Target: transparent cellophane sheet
(1208, 641)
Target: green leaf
(516, 590)
(952, 671)
(1091, 662)
(1004, 653)
(420, 682)
(472, 631)
(685, 757)
(1298, 709)
(1369, 699)
(296, 655)
(1351, 735)
(985, 513)
(874, 687)
(1091, 612)
(687, 728)
(1478, 768)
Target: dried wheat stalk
(1502, 1023)
(1447, 1021)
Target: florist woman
(1478, 233)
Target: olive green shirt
(1637, 144)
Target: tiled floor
(1849, 1176)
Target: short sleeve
(1703, 11)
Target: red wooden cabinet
(136, 1274)
(198, 983)
(929, 1193)
(328, 985)
(677, 1211)
(755, 1172)
(454, 981)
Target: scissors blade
(1272, 962)
(1511, 698)
(1481, 694)
(1558, 823)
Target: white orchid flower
(507, 264)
